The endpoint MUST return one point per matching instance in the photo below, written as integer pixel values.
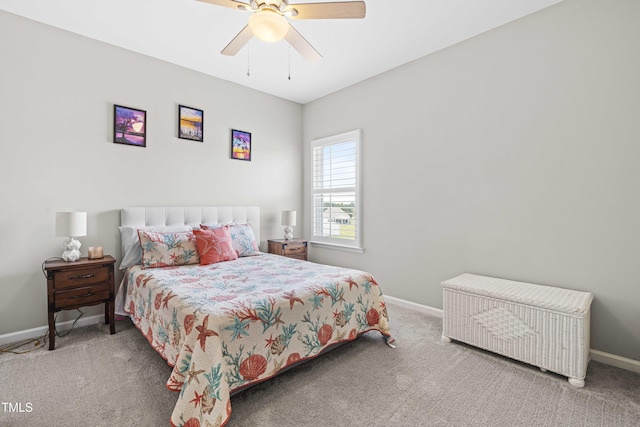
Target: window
(335, 194)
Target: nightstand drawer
(80, 277)
(82, 296)
(294, 250)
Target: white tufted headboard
(191, 216)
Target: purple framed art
(129, 126)
(240, 145)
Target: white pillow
(131, 249)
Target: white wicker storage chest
(544, 326)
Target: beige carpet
(97, 379)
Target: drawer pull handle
(88, 294)
(86, 276)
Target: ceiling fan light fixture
(268, 25)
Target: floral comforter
(227, 325)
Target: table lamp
(288, 220)
(71, 224)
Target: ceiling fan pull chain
(289, 62)
(248, 59)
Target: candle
(95, 252)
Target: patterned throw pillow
(242, 237)
(131, 250)
(214, 245)
(168, 249)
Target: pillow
(206, 226)
(214, 245)
(131, 250)
(168, 249)
(243, 240)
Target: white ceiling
(192, 34)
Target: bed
(230, 324)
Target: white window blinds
(336, 210)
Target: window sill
(337, 247)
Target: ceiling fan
(268, 21)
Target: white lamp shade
(71, 224)
(268, 26)
(289, 218)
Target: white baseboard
(41, 330)
(432, 311)
(613, 360)
(597, 355)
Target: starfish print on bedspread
(192, 374)
(166, 299)
(238, 328)
(351, 283)
(291, 296)
(204, 332)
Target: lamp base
(71, 250)
(288, 233)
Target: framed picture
(190, 121)
(129, 126)
(240, 145)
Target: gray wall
(513, 154)
(57, 91)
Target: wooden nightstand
(294, 248)
(80, 283)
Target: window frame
(334, 242)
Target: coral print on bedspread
(224, 326)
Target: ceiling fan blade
(228, 3)
(301, 44)
(335, 10)
(238, 42)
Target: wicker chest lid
(549, 297)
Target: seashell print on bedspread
(227, 325)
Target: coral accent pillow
(168, 249)
(242, 238)
(215, 245)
